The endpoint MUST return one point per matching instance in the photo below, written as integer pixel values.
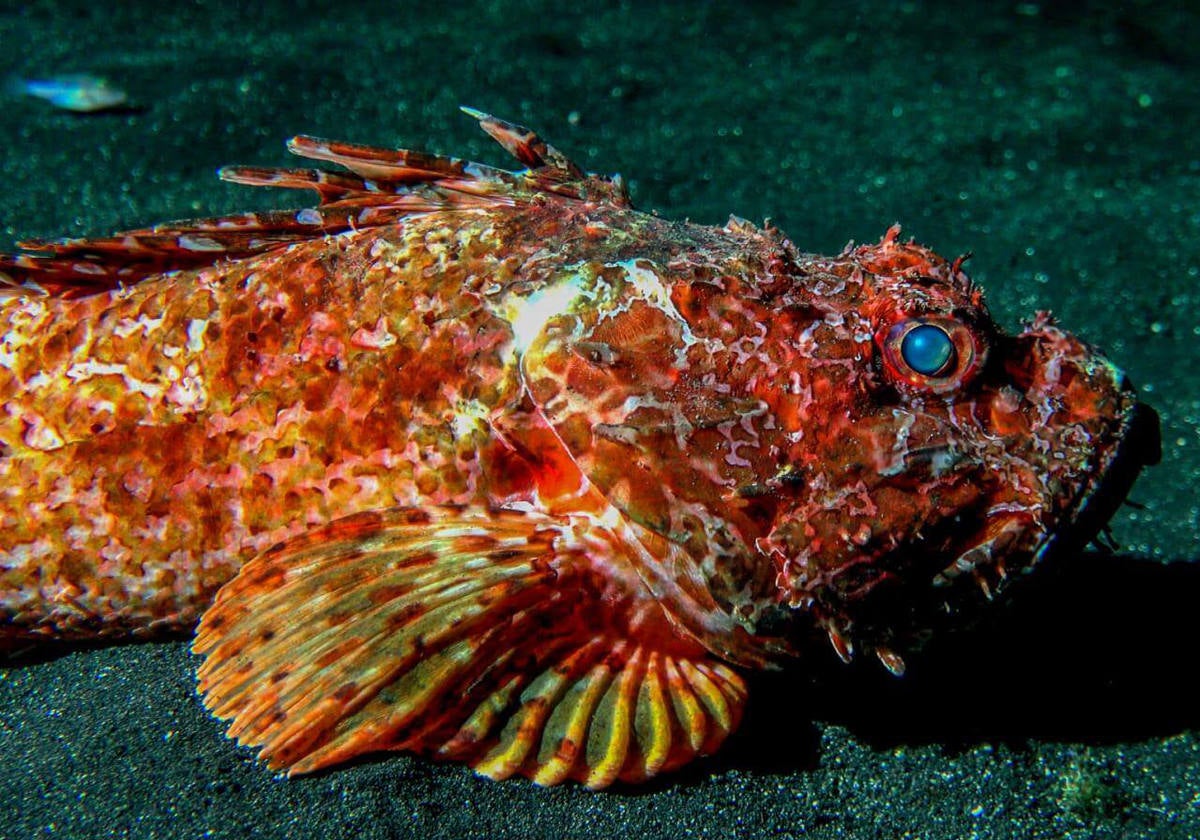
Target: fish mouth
(1136, 444)
(1139, 445)
(905, 615)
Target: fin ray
(478, 635)
(385, 187)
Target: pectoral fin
(514, 641)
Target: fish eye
(937, 353)
(928, 350)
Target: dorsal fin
(526, 146)
(386, 185)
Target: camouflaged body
(490, 466)
(718, 388)
(157, 437)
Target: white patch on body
(469, 415)
(195, 334)
(529, 315)
(375, 339)
(84, 371)
(41, 436)
(143, 323)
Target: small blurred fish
(82, 93)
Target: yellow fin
(495, 637)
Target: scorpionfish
(489, 466)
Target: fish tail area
(384, 186)
(472, 635)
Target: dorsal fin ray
(384, 187)
(526, 146)
(330, 186)
(396, 166)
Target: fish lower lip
(1143, 431)
(1140, 446)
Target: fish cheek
(1004, 415)
(874, 484)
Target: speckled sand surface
(1055, 140)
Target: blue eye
(928, 350)
(931, 352)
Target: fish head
(938, 457)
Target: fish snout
(1084, 412)
(1067, 381)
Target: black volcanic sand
(1055, 140)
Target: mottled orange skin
(210, 414)
(253, 400)
(685, 445)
